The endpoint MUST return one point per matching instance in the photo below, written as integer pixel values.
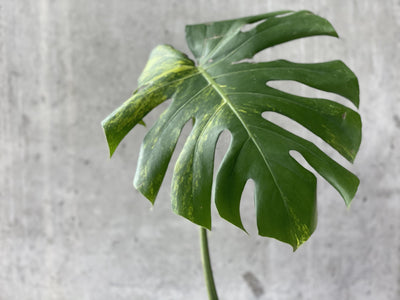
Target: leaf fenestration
(221, 93)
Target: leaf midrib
(226, 100)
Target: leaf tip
(356, 92)
(144, 189)
(111, 149)
(334, 32)
(299, 241)
(111, 145)
(348, 197)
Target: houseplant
(219, 90)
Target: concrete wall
(73, 227)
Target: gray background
(73, 227)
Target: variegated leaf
(219, 92)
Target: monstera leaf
(220, 92)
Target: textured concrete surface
(72, 226)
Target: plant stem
(205, 259)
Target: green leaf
(220, 93)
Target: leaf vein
(229, 103)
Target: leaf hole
(222, 146)
(250, 26)
(151, 118)
(248, 209)
(322, 185)
(185, 132)
(306, 50)
(245, 60)
(302, 161)
(285, 14)
(301, 131)
(303, 90)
